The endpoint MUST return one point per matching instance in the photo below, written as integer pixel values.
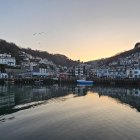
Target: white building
(133, 73)
(3, 75)
(102, 73)
(111, 73)
(45, 61)
(6, 59)
(79, 70)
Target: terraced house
(7, 59)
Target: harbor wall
(100, 81)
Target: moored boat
(84, 82)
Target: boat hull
(84, 82)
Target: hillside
(14, 50)
(116, 58)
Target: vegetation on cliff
(14, 50)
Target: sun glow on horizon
(81, 30)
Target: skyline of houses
(30, 66)
(122, 67)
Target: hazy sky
(80, 29)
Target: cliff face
(14, 50)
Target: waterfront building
(102, 73)
(81, 70)
(116, 72)
(92, 72)
(39, 70)
(33, 69)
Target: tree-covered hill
(14, 50)
(122, 55)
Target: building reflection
(81, 90)
(14, 98)
(39, 93)
(7, 99)
(130, 96)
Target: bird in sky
(40, 33)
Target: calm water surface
(69, 113)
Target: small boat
(84, 82)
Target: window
(130, 71)
(136, 72)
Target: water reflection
(81, 90)
(14, 98)
(130, 96)
(7, 99)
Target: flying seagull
(41, 33)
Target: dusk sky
(79, 29)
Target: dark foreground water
(69, 113)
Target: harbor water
(69, 112)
